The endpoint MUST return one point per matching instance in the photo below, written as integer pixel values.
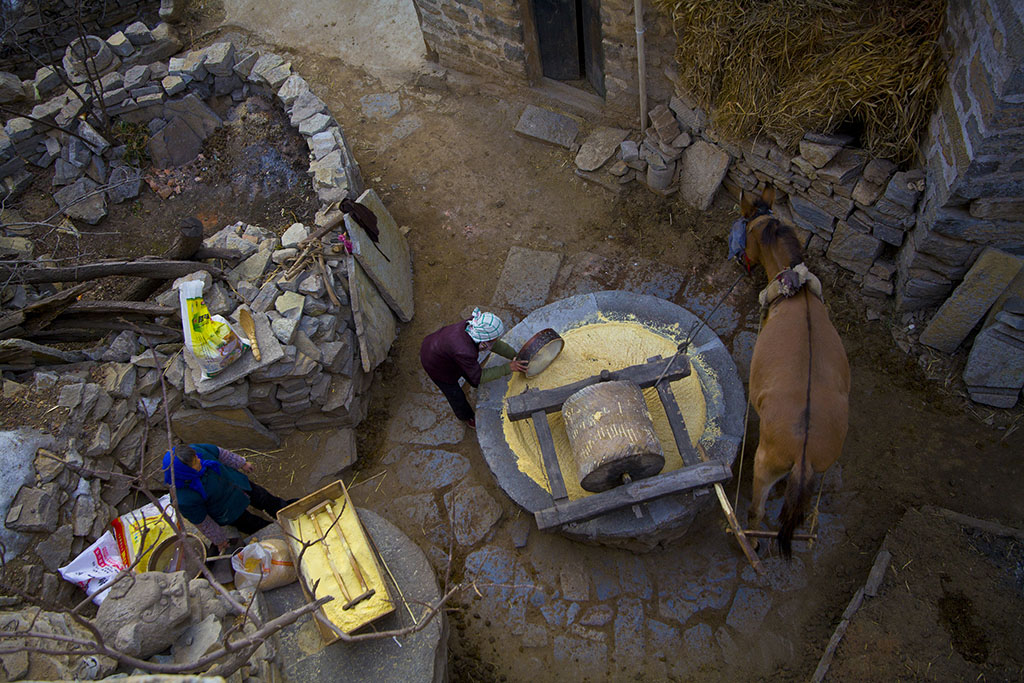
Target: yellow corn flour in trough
(314, 567)
(589, 350)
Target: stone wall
(475, 36)
(974, 157)
(489, 37)
(47, 32)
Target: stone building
(908, 236)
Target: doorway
(569, 38)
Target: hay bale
(785, 67)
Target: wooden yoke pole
(730, 516)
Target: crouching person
(213, 491)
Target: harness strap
(787, 283)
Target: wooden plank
(549, 400)
(678, 425)
(149, 268)
(144, 308)
(626, 495)
(547, 450)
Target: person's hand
(519, 365)
(248, 468)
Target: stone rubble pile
(853, 210)
(310, 375)
(138, 84)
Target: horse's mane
(775, 232)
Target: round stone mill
(604, 432)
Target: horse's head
(757, 213)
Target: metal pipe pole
(641, 60)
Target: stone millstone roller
(611, 435)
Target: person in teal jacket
(213, 491)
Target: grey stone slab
(393, 274)
(425, 419)
(701, 170)
(423, 655)
(526, 279)
(473, 513)
(996, 362)
(988, 278)
(196, 113)
(749, 608)
(852, 249)
(81, 200)
(236, 428)
(176, 144)
(547, 126)
(380, 105)
(270, 352)
(599, 146)
(124, 183)
(376, 327)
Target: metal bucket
(611, 435)
(168, 556)
(540, 351)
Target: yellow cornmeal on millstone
(589, 350)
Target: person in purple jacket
(452, 351)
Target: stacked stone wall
(45, 34)
(974, 156)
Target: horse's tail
(798, 493)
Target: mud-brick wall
(493, 37)
(45, 27)
(974, 155)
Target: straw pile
(786, 67)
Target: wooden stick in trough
(730, 516)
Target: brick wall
(47, 33)
(974, 156)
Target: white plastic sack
(210, 338)
(95, 567)
(131, 539)
(264, 564)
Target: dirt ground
(450, 168)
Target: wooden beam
(547, 450)
(149, 268)
(120, 307)
(549, 400)
(677, 423)
(635, 492)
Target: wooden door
(558, 35)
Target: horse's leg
(762, 485)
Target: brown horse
(799, 375)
